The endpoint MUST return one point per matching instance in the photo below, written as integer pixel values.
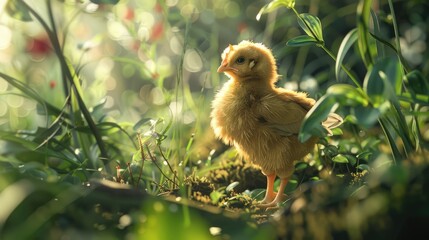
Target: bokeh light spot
(207, 17)
(176, 45)
(157, 96)
(193, 62)
(147, 19)
(190, 11)
(3, 108)
(3, 86)
(171, 3)
(6, 37)
(117, 31)
(111, 83)
(15, 101)
(232, 9)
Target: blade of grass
(347, 42)
(363, 15)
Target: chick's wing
(283, 116)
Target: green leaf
(301, 166)
(364, 155)
(311, 125)
(300, 41)
(105, 1)
(366, 48)
(347, 95)
(273, 5)
(312, 26)
(17, 10)
(351, 159)
(215, 196)
(340, 159)
(417, 82)
(347, 42)
(365, 116)
(337, 131)
(397, 156)
(364, 167)
(383, 81)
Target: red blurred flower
(129, 14)
(157, 31)
(39, 45)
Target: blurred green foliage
(121, 90)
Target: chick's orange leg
(279, 197)
(269, 193)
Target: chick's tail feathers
(334, 120)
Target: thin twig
(154, 161)
(142, 156)
(131, 173)
(169, 165)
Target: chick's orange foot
(272, 199)
(261, 120)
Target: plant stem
(322, 45)
(350, 74)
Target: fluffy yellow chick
(259, 119)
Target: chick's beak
(223, 68)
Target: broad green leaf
(273, 5)
(364, 167)
(17, 9)
(301, 166)
(383, 81)
(347, 95)
(337, 131)
(365, 155)
(331, 150)
(105, 1)
(311, 125)
(351, 159)
(365, 116)
(393, 75)
(300, 41)
(312, 26)
(347, 42)
(340, 159)
(374, 86)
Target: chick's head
(249, 61)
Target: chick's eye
(240, 60)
